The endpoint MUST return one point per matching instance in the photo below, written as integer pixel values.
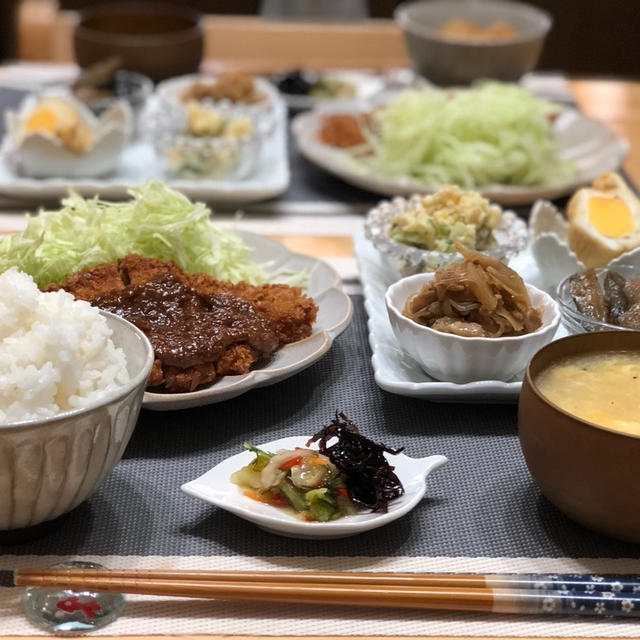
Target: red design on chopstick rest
(72, 603)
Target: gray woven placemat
(483, 503)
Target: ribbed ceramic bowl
(589, 472)
(459, 359)
(49, 466)
(449, 61)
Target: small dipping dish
(588, 471)
(577, 322)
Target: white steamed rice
(56, 353)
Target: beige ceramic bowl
(156, 39)
(457, 62)
(49, 466)
(589, 472)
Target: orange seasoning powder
(341, 130)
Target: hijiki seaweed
(368, 476)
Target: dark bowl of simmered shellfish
(601, 299)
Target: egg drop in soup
(601, 387)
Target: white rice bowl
(56, 353)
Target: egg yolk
(609, 216)
(41, 120)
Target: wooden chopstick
(345, 577)
(354, 589)
(287, 592)
(573, 582)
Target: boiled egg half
(604, 220)
(55, 135)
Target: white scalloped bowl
(43, 155)
(548, 230)
(460, 359)
(215, 487)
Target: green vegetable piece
(293, 495)
(247, 477)
(262, 457)
(321, 504)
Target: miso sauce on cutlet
(187, 328)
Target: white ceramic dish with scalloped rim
(588, 143)
(549, 246)
(334, 314)
(42, 154)
(460, 359)
(215, 487)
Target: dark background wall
(595, 37)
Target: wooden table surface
(618, 104)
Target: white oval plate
(334, 314)
(216, 488)
(588, 143)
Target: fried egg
(604, 220)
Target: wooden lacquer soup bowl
(589, 472)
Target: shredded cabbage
(492, 133)
(158, 222)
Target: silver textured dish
(510, 237)
(206, 157)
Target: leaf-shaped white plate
(216, 488)
(588, 143)
(334, 314)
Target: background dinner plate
(334, 314)
(587, 142)
(140, 163)
(364, 84)
(398, 373)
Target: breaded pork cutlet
(245, 323)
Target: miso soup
(602, 387)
